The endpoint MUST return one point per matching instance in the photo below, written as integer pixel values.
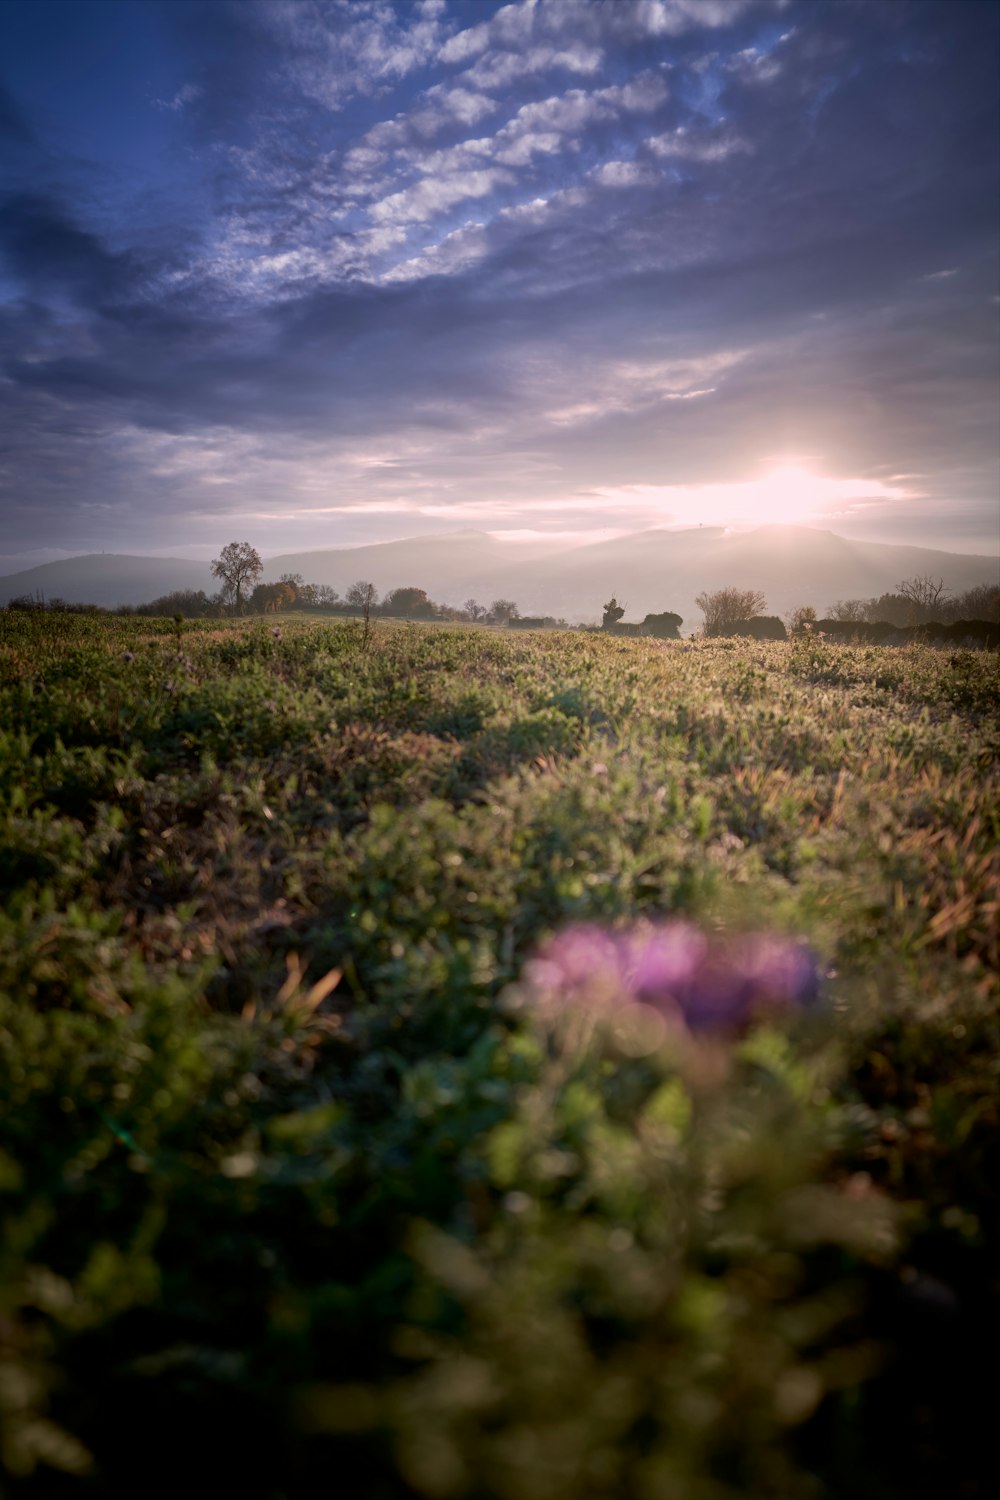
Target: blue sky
(318, 273)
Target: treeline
(920, 601)
(919, 609)
(292, 592)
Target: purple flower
(128, 656)
(703, 981)
(778, 969)
(665, 961)
(578, 955)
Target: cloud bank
(325, 272)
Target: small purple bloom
(579, 960)
(665, 960)
(707, 982)
(128, 656)
(779, 969)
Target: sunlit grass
(296, 1170)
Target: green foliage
(297, 1187)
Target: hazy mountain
(452, 567)
(108, 578)
(648, 570)
(16, 562)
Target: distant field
(310, 1182)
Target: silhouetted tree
(980, 603)
(503, 610)
(923, 591)
(759, 628)
(723, 608)
(920, 601)
(799, 618)
(191, 603)
(854, 610)
(613, 612)
(894, 609)
(474, 609)
(665, 626)
(238, 566)
(411, 603)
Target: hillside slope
(649, 570)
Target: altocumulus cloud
(344, 270)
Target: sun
(786, 495)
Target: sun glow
(787, 495)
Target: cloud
(499, 69)
(335, 52)
(434, 195)
(184, 96)
(622, 174)
(42, 248)
(384, 290)
(786, 493)
(684, 144)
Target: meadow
(330, 1165)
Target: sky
(316, 273)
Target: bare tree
(923, 591)
(504, 610)
(474, 609)
(362, 595)
(238, 566)
(726, 607)
(856, 610)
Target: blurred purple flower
(578, 955)
(706, 983)
(665, 960)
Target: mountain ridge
(654, 569)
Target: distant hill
(17, 562)
(648, 570)
(108, 578)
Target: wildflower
(276, 632)
(575, 961)
(692, 980)
(128, 656)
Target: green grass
(399, 1233)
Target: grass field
(322, 1173)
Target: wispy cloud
(185, 95)
(684, 144)
(360, 260)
